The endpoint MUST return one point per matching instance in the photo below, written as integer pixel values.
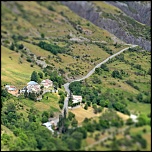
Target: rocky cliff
(139, 10)
(120, 23)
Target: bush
(88, 24)
(139, 97)
(116, 74)
(61, 105)
(55, 49)
(137, 66)
(12, 47)
(104, 67)
(71, 115)
(131, 84)
(100, 109)
(46, 114)
(51, 8)
(28, 59)
(42, 35)
(31, 65)
(129, 121)
(51, 114)
(88, 103)
(86, 107)
(21, 46)
(44, 119)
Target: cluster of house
(32, 86)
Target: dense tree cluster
(108, 119)
(55, 76)
(55, 49)
(30, 135)
(140, 97)
(94, 96)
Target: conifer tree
(34, 76)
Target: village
(39, 89)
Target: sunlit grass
(13, 72)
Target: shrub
(55, 49)
(88, 24)
(28, 59)
(116, 74)
(86, 107)
(61, 105)
(51, 8)
(12, 47)
(21, 46)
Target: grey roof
(7, 86)
(32, 83)
(12, 89)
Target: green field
(119, 85)
(29, 23)
(13, 72)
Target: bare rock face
(140, 11)
(88, 11)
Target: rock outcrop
(88, 11)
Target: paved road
(66, 85)
(98, 65)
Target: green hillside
(14, 72)
(119, 18)
(122, 84)
(21, 25)
(122, 78)
(46, 40)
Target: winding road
(66, 85)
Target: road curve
(66, 85)
(98, 65)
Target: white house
(77, 99)
(47, 83)
(12, 88)
(134, 118)
(7, 87)
(49, 126)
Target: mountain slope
(114, 20)
(47, 37)
(139, 10)
(14, 72)
(81, 43)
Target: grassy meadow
(13, 72)
(26, 22)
